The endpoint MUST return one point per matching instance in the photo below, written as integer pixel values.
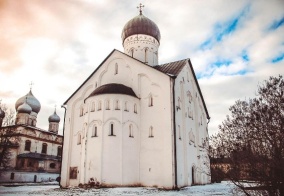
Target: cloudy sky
(233, 46)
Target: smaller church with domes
(135, 122)
(36, 156)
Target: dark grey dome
(54, 118)
(2, 113)
(24, 108)
(113, 88)
(141, 25)
(31, 101)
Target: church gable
(116, 68)
(174, 69)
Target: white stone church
(134, 122)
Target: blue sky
(233, 45)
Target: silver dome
(24, 108)
(54, 118)
(31, 101)
(2, 113)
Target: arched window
(189, 96)
(150, 101)
(59, 151)
(111, 130)
(192, 176)
(146, 55)
(95, 131)
(179, 103)
(12, 176)
(131, 131)
(116, 69)
(151, 134)
(52, 165)
(187, 76)
(117, 105)
(79, 139)
(81, 111)
(93, 107)
(100, 105)
(126, 106)
(27, 145)
(132, 52)
(44, 148)
(135, 108)
(107, 105)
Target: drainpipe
(174, 122)
(62, 142)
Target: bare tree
(250, 142)
(8, 138)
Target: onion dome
(113, 88)
(54, 117)
(24, 108)
(2, 113)
(31, 101)
(141, 25)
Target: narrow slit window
(111, 130)
(135, 108)
(117, 105)
(81, 111)
(100, 105)
(126, 106)
(150, 101)
(95, 131)
(79, 139)
(130, 131)
(151, 134)
(93, 107)
(146, 55)
(107, 105)
(131, 52)
(116, 69)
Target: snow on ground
(224, 188)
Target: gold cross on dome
(31, 85)
(140, 7)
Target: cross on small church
(140, 8)
(31, 85)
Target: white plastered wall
(154, 153)
(191, 131)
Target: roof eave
(199, 90)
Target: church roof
(141, 25)
(172, 68)
(35, 155)
(113, 88)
